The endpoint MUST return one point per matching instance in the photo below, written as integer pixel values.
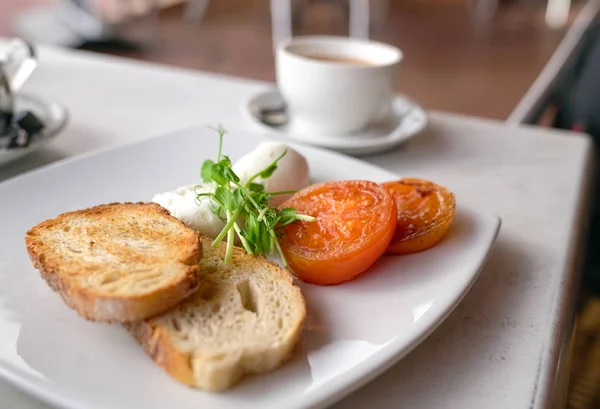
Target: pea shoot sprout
(231, 201)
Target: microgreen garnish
(231, 201)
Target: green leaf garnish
(256, 187)
(225, 198)
(269, 170)
(206, 170)
(230, 200)
(230, 175)
(287, 216)
(238, 196)
(226, 162)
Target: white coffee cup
(336, 85)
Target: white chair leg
(195, 10)
(482, 14)
(557, 13)
(281, 21)
(360, 21)
(152, 20)
(378, 14)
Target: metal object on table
(39, 122)
(20, 129)
(15, 71)
(17, 128)
(272, 116)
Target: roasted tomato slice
(355, 221)
(425, 212)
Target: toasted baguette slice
(245, 319)
(117, 262)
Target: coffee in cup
(336, 85)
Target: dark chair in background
(566, 95)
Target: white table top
(501, 347)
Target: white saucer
(408, 120)
(53, 115)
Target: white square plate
(354, 331)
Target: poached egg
(195, 214)
(291, 174)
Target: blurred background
(491, 51)
(524, 61)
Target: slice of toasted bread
(245, 318)
(117, 262)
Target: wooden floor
(445, 66)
